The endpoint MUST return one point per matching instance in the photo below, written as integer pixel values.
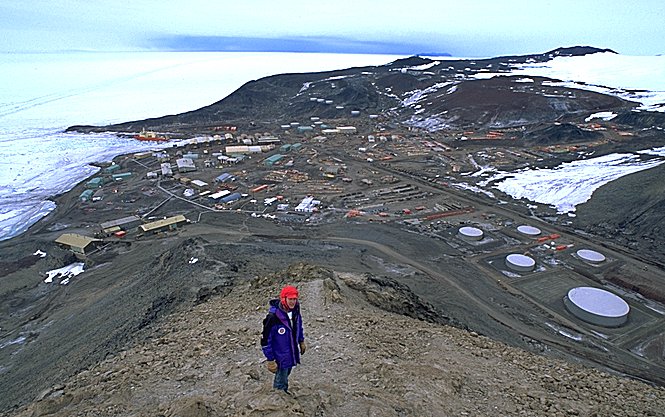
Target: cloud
(470, 28)
(288, 44)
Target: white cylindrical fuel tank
(520, 263)
(597, 306)
(470, 233)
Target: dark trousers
(282, 379)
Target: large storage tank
(470, 233)
(597, 306)
(591, 256)
(528, 230)
(520, 263)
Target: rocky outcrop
(561, 133)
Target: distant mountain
(415, 91)
(565, 51)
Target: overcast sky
(470, 28)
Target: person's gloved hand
(272, 366)
(303, 347)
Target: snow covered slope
(635, 78)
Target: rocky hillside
(368, 354)
(630, 210)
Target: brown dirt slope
(362, 360)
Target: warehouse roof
(75, 240)
(119, 222)
(163, 223)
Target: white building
(219, 194)
(199, 183)
(307, 205)
(242, 149)
(227, 159)
(347, 129)
(166, 169)
(185, 165)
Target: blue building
(231, 198)
(224, 177)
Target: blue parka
(281, 336)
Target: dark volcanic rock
(643, 119)
(546, 56)
(122, 302)
(506, 102)
(563, 133)
(411, 61)
(576, 51)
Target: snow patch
(338, 77)
(569, 334)
(418, 95)
(636, 78)
(468, 187)
(431, 123)
(571, 183)
(305, 87)
(66, 272)
(422, 67)
(654, 151)
(604, 115)
(19, 340)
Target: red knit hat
(288, 292)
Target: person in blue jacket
(282, 339)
